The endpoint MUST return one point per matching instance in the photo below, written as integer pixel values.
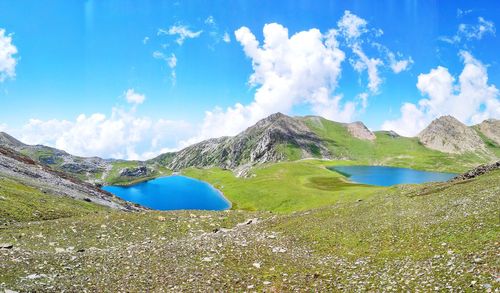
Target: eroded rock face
(491, 129)
(447, 134)
(359, 130)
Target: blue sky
(82, 57)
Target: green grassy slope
(20, 203)
(388, 150)
(284, 187)
(441, 236)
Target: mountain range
(446, 145)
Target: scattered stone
(207, 259)
(266, 283)
(6, 245)
(161, 219)
(256, 265)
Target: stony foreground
(418, 238)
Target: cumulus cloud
(7, 59)
(122, 135)
(181, 31)
(288, 70)
(134, 98)
(470, 99)
(300, 70)
(3, 127)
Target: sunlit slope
(285, 186)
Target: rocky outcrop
(261, 143)
(141, 171)
(23, 169)
(359, 130)
(447, 134)
(478, 171)
(491, 129)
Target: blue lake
(173, 193)
(387, 176)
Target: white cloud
(301, 69)
(470, 100)
(226, 38)
(145, 40)
(210, 20)
(400, 65)
(133, 97)
(369, 64)
(351, 25)
(171, 62)
(468, 32)
(182, 33)
(123, 135)
(478, 30)
(7, 60)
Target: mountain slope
(21, 170)
(490, 128)
(273, 139)
(448, 135)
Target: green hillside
(441, 236)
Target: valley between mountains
(294, 224)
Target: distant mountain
(447, 134)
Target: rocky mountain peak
(447, 134)
(359, 130)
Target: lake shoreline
(179, 174)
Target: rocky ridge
(261, 143)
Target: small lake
(387, 176)
(173, 193)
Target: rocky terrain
(23, 169)
(478, 171)
(447, 134)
